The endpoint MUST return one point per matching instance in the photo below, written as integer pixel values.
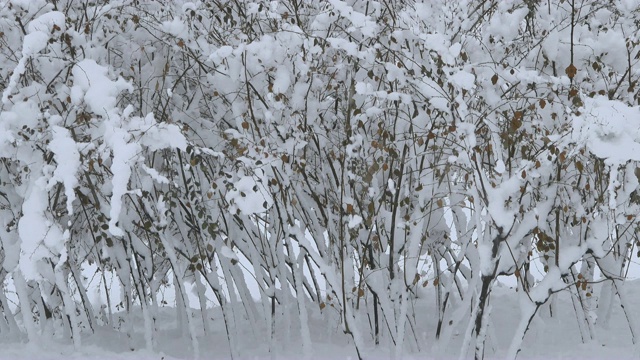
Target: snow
(156, 136)
(124, 154)
(68, 159)
(92, 86)
(505, 25)
(360, 21)
(188, 6)
(50, 350)
(350, 48)
(391, 185)
(463, 79)
(249, 195)
(155, 174)
(282, 81)
(395, 73)
(500, 167)
(195, 182)
(503, 216)
(228, 253)
(549, 337)
(34, 43)
(606, 126)
(222, 53)
(46, 22)
(354, 221)
(176, 27)
(627, 5)
(40, 237)
(31, 45)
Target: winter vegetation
(279, 174)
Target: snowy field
(550, 337)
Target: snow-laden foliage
(337, 156)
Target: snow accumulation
(606, 126)
(249, 195)
(551, 336)
(319, 179)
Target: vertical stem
(86, 304)
(273, 325)
(68, 304)
(376, 320)
(624, 304)
(25, 306)
(302, 308)
(557, 239)
(181, 294)
(573, 24)
(528, 312)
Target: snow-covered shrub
(343, 154)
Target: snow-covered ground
(549, 337)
